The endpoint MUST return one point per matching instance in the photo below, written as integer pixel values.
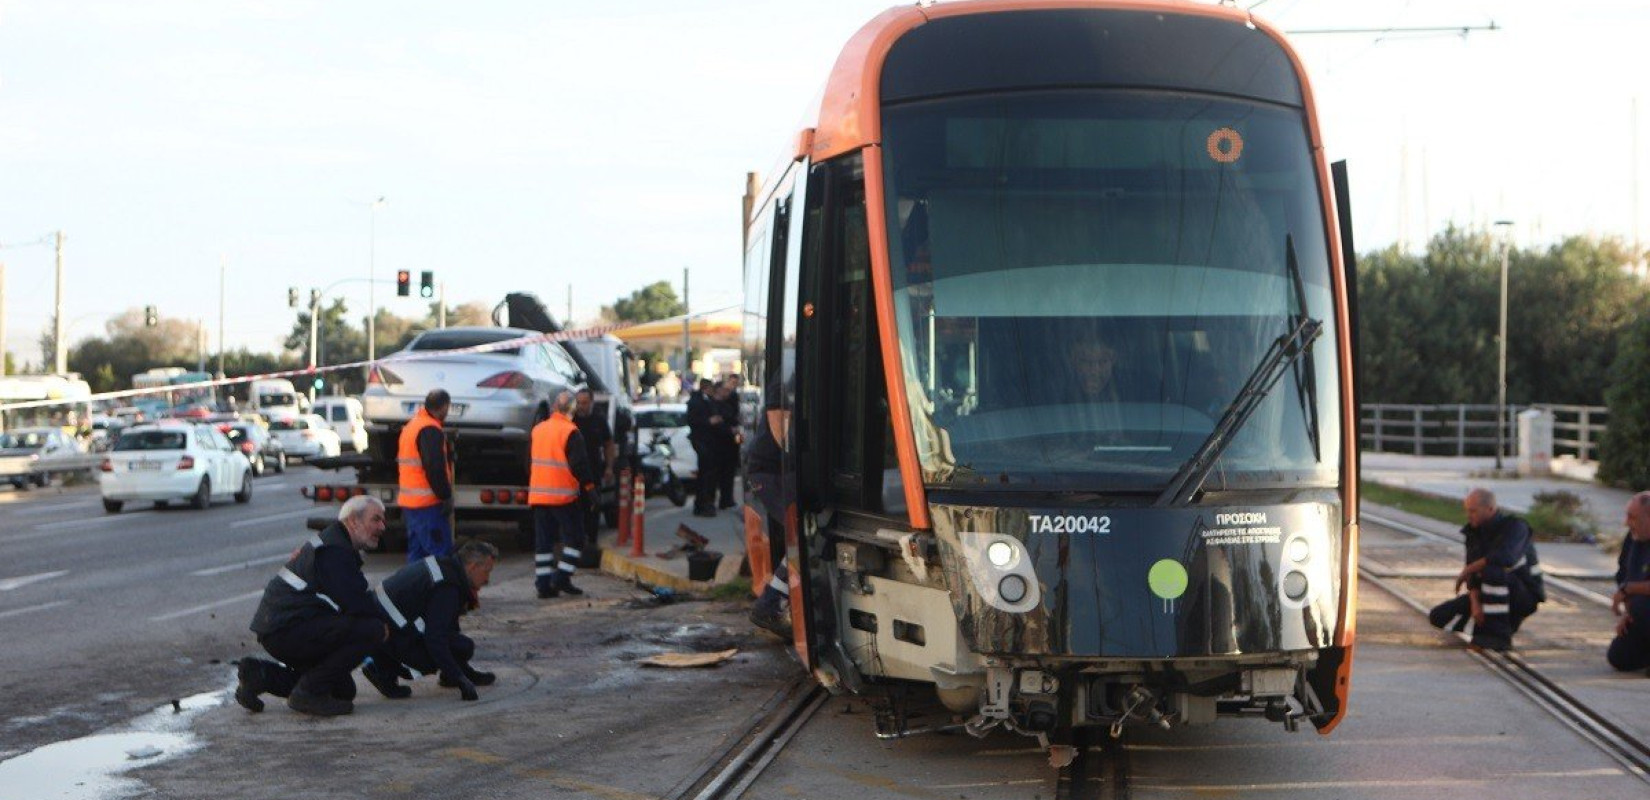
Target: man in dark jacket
(704, 421)
(424, 601)
(1630, 649)
(1502, 576)
(728, 438)
(318, 618)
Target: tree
(1624, 455)
(1428, 324)
(129, 348)
(654, 301)
(339, 343)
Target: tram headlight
(1001, 555)
(1012, 589)
(1298, 550)
(1295, 585)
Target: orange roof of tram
(848, 116)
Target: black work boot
(250, 684)
(384, 681)
(478, 677)
(771, 619)
(320, 705)
(564, 584)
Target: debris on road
(688, 660)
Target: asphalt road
(103, 616)
(104, 620)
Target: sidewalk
(661, 564)
(1452, 477)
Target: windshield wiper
(1284, 352)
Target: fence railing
(1469, 430)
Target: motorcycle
(657, 476)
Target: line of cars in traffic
(196, 458)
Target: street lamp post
(1501, 357)
(372, 272)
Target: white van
(345, 416)
(275, 398)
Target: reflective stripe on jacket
(406, 593)
(551, 482)
(291, 595)
(414, 483)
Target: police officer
(727, 459)
(561, 471)
(318, 618)
(1502, 576)
(424, 601)
(426, 479)
(601, 449)
(703, 422)
(1630, 649)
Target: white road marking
(81, 523)
(15, 583)
(26, 609)
(271, 518)
(207, 607)
(239, 565)
(55, 507)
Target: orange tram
(1051, 310)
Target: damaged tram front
(1050, 311)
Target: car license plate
(145, 466)
(453, 410)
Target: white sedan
(306, 436)
(173, 461)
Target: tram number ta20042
(1069, 523)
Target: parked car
(305, 436)
(347, 418)
(668, 422)
(28, 454)
(501, 393)
(164, 462)
(263, 451)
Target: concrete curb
(618, 562)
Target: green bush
(1558, 517)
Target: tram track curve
(1621, 745)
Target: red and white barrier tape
(403, 356)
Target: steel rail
(1618, 744)
(726, 775)
(1551, 580)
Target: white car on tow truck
(173, 461)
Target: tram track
(1620, 745)
(730, 770)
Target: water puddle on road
(93, 767)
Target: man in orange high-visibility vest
(561, 472)
(426, 480)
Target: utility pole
(567, 321)
(200, 345)
(1501, 357)
(687, 320)
(441, 305)
(372, 274)
(223, 274)
(62, 351)
(314, 331)
(1633, 176)
(3, 370)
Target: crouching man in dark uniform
(1502, 576)
(424, 601)
(319, 619)
(1630, 649)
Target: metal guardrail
(1469, 430)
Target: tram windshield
(1084, 279)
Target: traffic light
(291, 297)
(403, 283)
(426, 284)
(319, 383)
(150, 317)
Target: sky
(538, 146)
